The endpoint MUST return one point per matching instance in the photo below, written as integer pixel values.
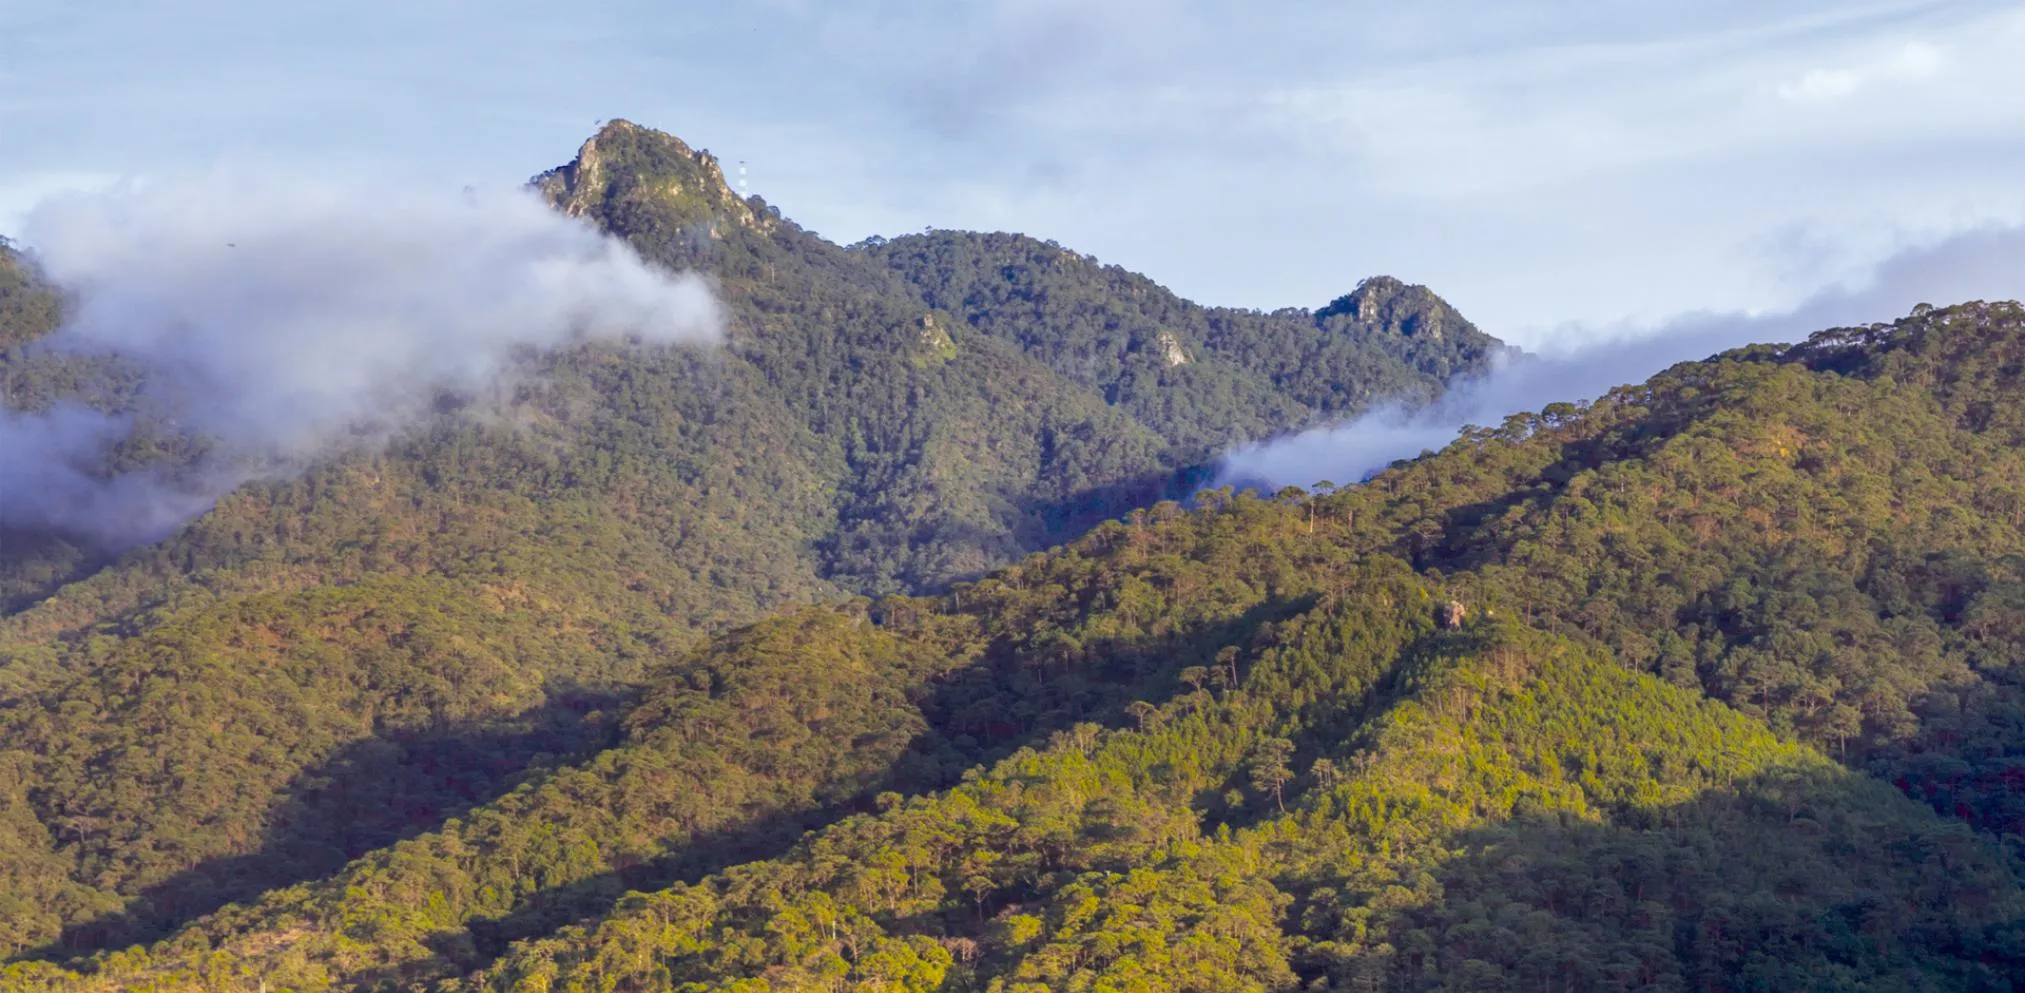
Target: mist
(1985, 264)
(281, 322)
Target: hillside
(991, 433)
(28, 309)
(325, 664)
(1711, 684)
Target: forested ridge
(1711, 684)
(394, 637)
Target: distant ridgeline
(884, 418)
(321, 666)
(1717, 683)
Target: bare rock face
(936, 344)
(1384, 302)
(1451, 615)
(625, 165)
(1409, 321)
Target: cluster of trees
(1827, 538)
(28, 306)
(1513, 815)
(1506, 809)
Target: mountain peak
(636, 180)
(1424, 330)
(1393, 304)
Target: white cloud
(280, 320)
(1906, 63)
(20, 195)
(1983, 264)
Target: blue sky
(1554, 169)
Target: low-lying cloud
(1987, 264)
(280, 322)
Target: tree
(1270, 770)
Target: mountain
(1711, 684)
(1222, 373)
(371, 650)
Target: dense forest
(1715, 683)
(1706, 685)
(330, 662)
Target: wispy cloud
(280, 320)
(1906, 63)
(1982, 264)
(21, 194)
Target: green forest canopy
(1712, 684)
(1707, 685)
(325, 664)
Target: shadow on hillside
(37, 564)
(969, 724)
(927, 557)
(1795, 880)
(1069, 517)
(371, 794)
(1049, 693)
(382, 790)
(753, 839)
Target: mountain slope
(1397, 737)
(1200, 375)
(1827, 538)
(28, 309)
(1479, 833)
(396, 636)
(1507, 806)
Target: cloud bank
(1984, 264)
(283, 321)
